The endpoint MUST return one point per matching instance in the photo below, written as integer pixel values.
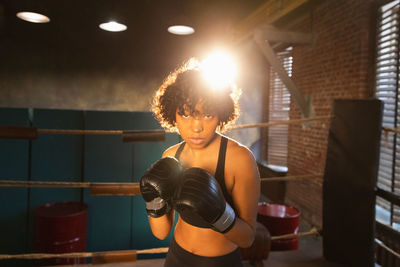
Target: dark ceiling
(73, 40)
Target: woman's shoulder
(171, 151)
(236, 152)
(236, 147)
(240, 162)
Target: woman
(185, 103)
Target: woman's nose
(197, 126)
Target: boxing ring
(349, 184)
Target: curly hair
(184, 88)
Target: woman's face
(198, 128)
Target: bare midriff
(202, 241)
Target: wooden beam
(272, 34)
(304, 105)
(268, 13)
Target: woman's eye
(183, 115)
(208, 116)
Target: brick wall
(337, 65)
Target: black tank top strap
(220, 171)
(179, 150)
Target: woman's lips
(196, 140)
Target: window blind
(387, 90)
(279, 108)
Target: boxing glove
(158, 185)
(201, 203)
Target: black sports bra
(220, 171)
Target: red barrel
(61, 227)
(280, 219)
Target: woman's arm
(245, 194)
(162, 226)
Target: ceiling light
(113, 26)
(180, 30)
(33, 17)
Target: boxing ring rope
(31, 133)
(98, 189)
(102, 254)
(313, 231)
(124, 253)
(43, 184)
(80, 132)
(291, 178)
(121, 189)
(275, 123)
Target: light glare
(113, 26)
(219, 70)
(33, 17)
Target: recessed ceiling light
(180, 30)
(33, 17)
(113, 26)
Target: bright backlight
(219, 70)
